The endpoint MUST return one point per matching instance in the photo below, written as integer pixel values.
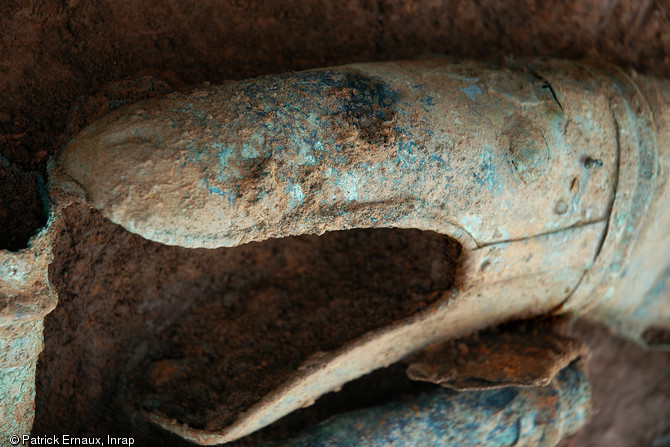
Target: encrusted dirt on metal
(522, 353)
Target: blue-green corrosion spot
(295, 193)
(472, 91)
(487, 175)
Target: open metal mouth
(534, 184)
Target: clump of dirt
(22, 209)
(519, 353)
(201, 335)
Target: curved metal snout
(484, 154)
(552, 175)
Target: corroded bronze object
(552, 175)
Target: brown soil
(201, 335)
(53, 52)
(631, 393)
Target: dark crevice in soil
(656, 336)
(22, 212)
(203, 334)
